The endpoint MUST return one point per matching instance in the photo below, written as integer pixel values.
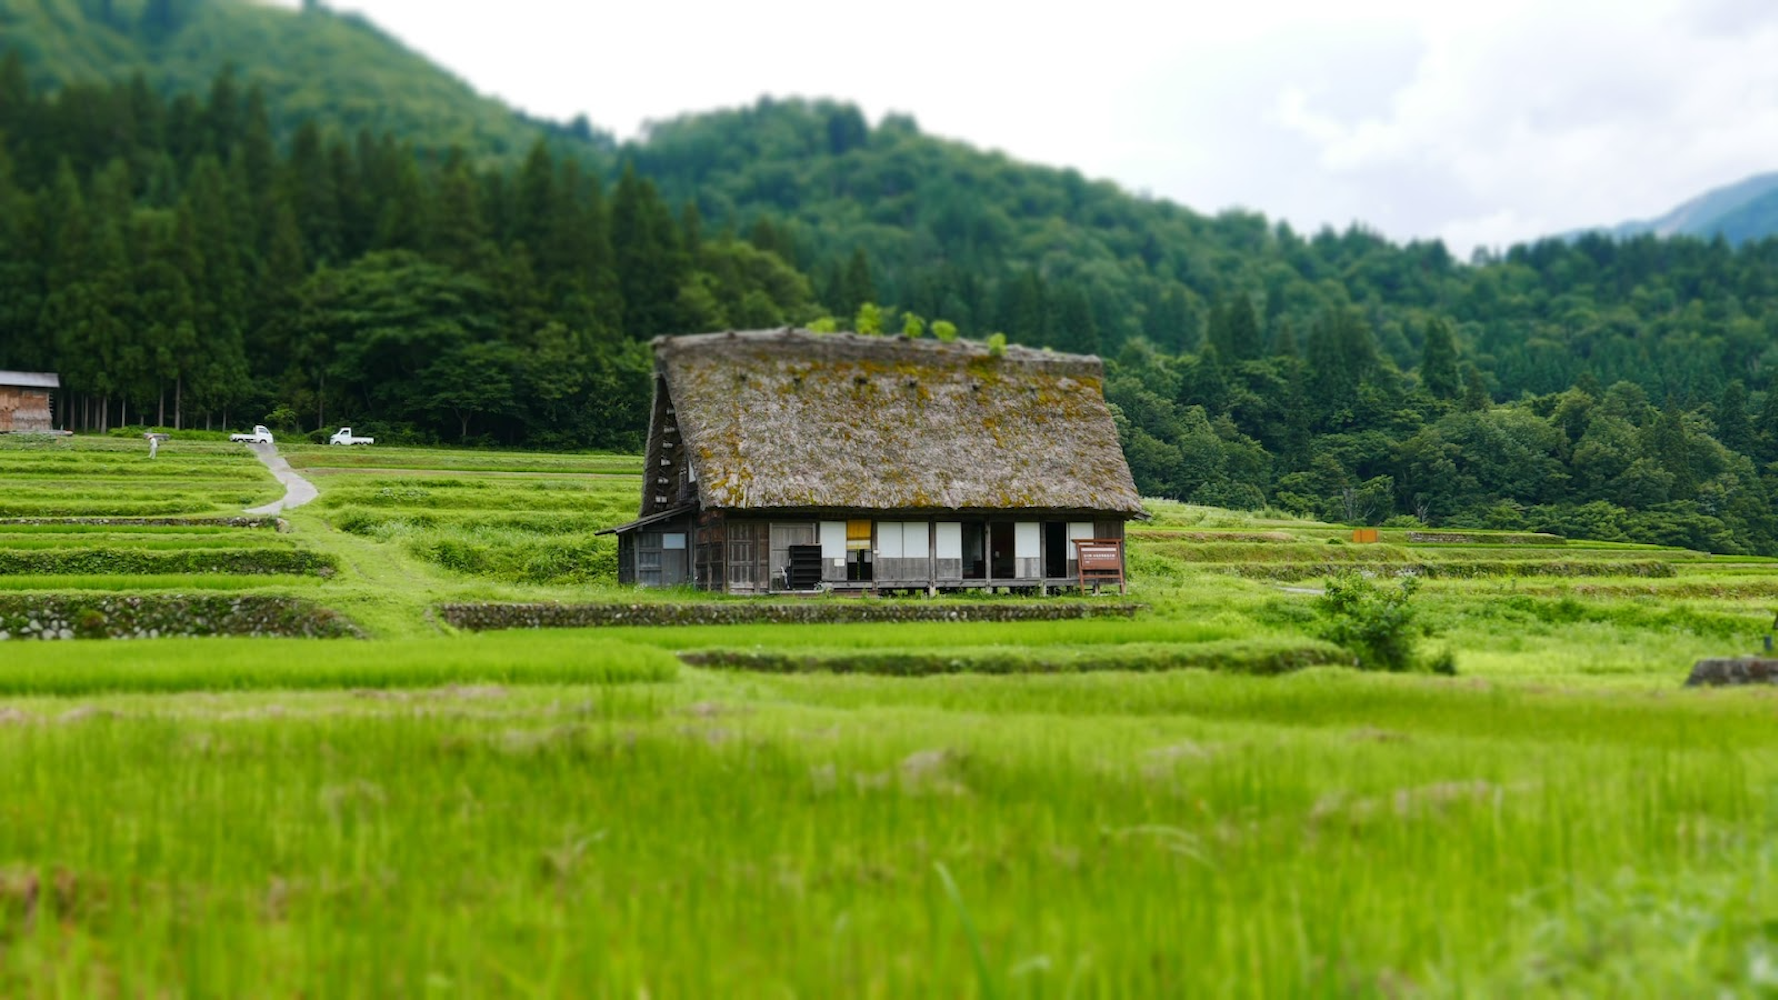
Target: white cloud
(1480, 123)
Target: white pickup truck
(344, 436)
(260, 435)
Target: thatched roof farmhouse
(788, 460)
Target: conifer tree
(1240, 338)
(1076, 330)
(1670, 447)
(1476, 396)
(853, 285)
(20, 276)
(457, 228)
(1766, 431)
(650, 264)
(309, 191)
(1438, 362)
(1733, 426)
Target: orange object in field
(1364, 536)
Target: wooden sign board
(1100, 560)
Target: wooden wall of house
(710, 556)
(749, 556)
(658, 555)
(666, 469)
(24, 409)
(911, 552)
(626, 558)
(744, 555)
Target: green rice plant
(149, 582)
(538, 498)
(136, 527)
(1201, 551)
(125, 508)
(141, 542)
(947, 636)
(460, 460)
(1322, 833)
(1251, 656)
(1651, 568)
(230, 664)
(104, 561)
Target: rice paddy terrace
(1192, 797)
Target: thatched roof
(792, 419)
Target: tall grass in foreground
(1178, 844)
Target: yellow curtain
(858, 535)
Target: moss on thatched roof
(792, 419)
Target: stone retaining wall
(153, 617)
(487, 617)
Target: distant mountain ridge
(334, 67)
(1739, 212)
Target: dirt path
(297, 490)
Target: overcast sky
(1482, 123)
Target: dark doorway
(858, 565)
(975, 551)
(1055, 550)
(1000, 537)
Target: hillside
(338, 69)
(168, 257)
(1739, 212)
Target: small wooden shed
(785, 460)
(25, 402)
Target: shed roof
(31, 380)
(792, 419)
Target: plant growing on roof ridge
(944, 330)
(870, 320)
(826, 324)
(913, 326)
(997, 345)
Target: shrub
(1376, 624)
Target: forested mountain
(179, 259)
(1736, 212)
(310, 64)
